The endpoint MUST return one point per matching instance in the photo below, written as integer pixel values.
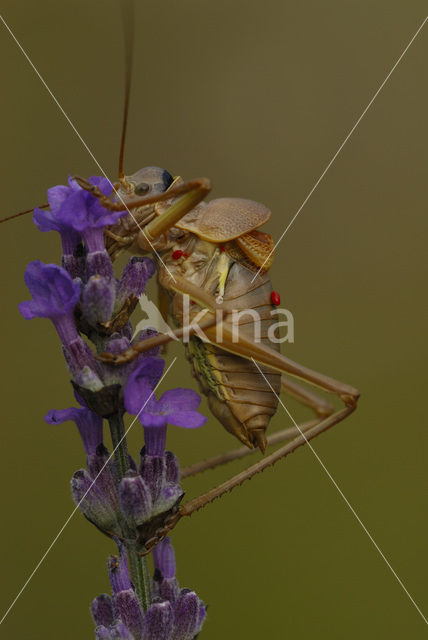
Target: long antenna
(127, 7)
(22, 213)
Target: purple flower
(176, 406)
(82, 211)
(55, 295)
(50, 220)
(89, 424)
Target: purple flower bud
(102, 610)
(101, 633)
(135, 500)
(103, 469)
(158, 622)
(134, 278)
(90, 425)
(98, 300)
(164, 588)
(170, 494)
(98, 262)
(189, 615)
(172, 468)
(118, 571)
(117, 375)
(164, 558)
(153, 472)
(85, 378)
(117, 344)
(127, 608)
(120, 632)
(91, 501)
(144, 335)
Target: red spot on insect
(275, 298)
(176, 255)
(222, 247)
(192, 302)
(185, 254)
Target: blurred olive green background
(258, 96)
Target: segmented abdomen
(238, 394)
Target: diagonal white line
(345, 499)
(342, 145)
(42, 559)
(42, 80)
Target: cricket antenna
(127, 7)
(22, 213)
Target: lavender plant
(82, 297)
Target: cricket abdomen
(238, 394)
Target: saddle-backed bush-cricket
(215, 254)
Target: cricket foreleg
(198, 184)
(156, 341)
(193, 195)
(242, 452)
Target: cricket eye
(141, 189)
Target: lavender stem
(140, 575)
(117, 431)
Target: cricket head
(148, 181)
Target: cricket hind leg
(244, 451)
(306, 434)
(319, 405)
(310, 399)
